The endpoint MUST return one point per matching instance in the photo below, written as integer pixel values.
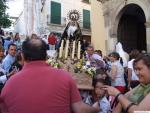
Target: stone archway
(131, 31)
(116, 14)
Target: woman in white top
(117, 72)
(133, 79)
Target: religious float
(71, 57)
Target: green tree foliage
(4, 18)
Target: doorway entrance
(131, 29)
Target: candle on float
(73, 50)
(79, 49)
(60, 52)
(61, 49)
(66, 50)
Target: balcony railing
(63, 22)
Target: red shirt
(52, 39)
(39, 88)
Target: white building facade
(45, 16)
(29, 20)
(56, 13)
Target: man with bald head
(39, 88)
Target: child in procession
(100, 96)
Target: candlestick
(73, 50)
(66, 50)
(79, 48)
(61, 49)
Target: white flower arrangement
(53, 62)
(90, 70)
(81, 66)
(87, 68)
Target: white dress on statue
(71, 30)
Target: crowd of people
(10, 56)
(28, 91)
(126, 81)
(29, 85)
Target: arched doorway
(131, 28)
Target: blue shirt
(7, 62)
(104, 105)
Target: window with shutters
(86, 19)
(55, 12)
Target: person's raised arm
(127, 105)
(117, 109)
(144, 105)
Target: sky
(15, 7)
